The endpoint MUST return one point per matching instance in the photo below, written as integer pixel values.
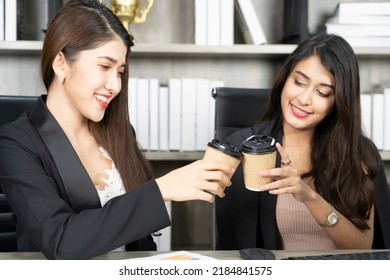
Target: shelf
(169, 50)
(174, 156)
(190, 50)
(183, 50)
(372, 52)
(192, 156)
(20, 47)
(385, 155)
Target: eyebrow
(307, 77)
(113, 60)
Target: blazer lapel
(81, 192)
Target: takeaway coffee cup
(224, 153)
(259, 153)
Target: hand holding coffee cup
(259, 153)
(223, 153)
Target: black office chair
(237, 108)
(11, 107)
(382, 214)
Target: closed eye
(120, 71)
(299, 83)
(323, 94)
(105, 67)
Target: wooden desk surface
(220, 255)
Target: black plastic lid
(225, 148)
(258, 144)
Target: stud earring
(60, 79)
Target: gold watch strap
(332, 214)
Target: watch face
(332, 219)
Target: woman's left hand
(287, 179)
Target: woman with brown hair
(71, 168)
(329, 188)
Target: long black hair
(344, 161)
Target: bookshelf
(165, 49)
(182, 50)
(172, 52)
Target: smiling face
(308, 94)
(95, 78)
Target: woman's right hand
(287, 179)
(196, 181)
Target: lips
(102, 100)
(299, 113)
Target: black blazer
(56, 205)
(246, 219)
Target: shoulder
(370, 157)
(369, 149)
(237, 137)
(16, 127)
(262, 128)
(20, 131)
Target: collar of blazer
(78, 185)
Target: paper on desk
(180, 255)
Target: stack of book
(376, 115)
(362, 24)
(249, 23)
(178, 116)
(21, 20)
(9, 20)
(214, 22)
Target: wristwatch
(332, 218)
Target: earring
(60, 78)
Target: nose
(114, 83)
(305, 96)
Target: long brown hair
(84, 25)
(344, 161)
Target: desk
(220, 255)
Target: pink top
(298, 229)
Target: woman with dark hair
(71, 168)
(323, 193)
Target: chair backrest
(237, 108)
(11, 107)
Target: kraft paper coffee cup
(224, 153)
(259, 153)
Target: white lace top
(113, 185)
